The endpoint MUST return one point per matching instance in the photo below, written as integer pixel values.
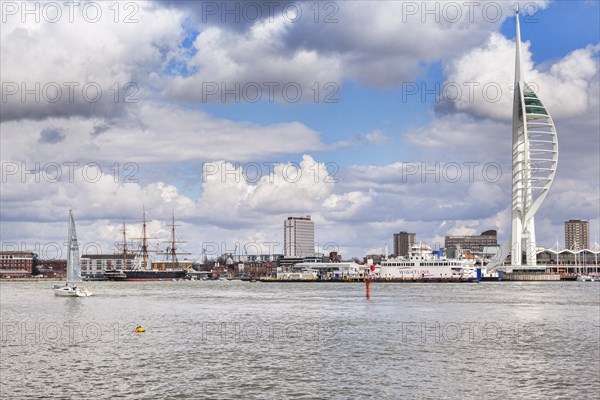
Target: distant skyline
(371, 118)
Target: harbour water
(233, 340)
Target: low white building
(323, 270)
(94, 265)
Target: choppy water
(233, 340)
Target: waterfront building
(403, 242)
(577, 234)
(474, 243)
(570, 261)
(169, 265)
(52, 268)
(16, 263)
(94, 265)
(534, 163)
(314, 269)
(299, 237)
(253, 258)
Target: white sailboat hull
(69, 291)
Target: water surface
(231, 340)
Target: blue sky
(337, 121)
(546, 28)
(368, 62)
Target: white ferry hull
(414, 273)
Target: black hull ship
(147, 270)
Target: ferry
(424, 263)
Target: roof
(564, 251)
(107, 256)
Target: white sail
(73, 266)
(73, 260)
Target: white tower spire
(518, 66)
(534, 161)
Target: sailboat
(73, 267)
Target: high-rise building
(299, 237)
(403, 241)
(534, 162)
(577, 234)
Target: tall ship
(424, 263)
(143, 268)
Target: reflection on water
(207, 340)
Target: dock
(361, 280)
(531, 277)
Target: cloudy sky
(371, 117)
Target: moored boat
(115, 275)
(154, 274)
(423, 263)
(144, 268)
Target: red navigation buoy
(368, 278)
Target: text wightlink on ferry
(424, 263)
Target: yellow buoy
(139, 329)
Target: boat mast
(124, 246)
(144, 247)
(172, 252)
(144, 240)
(173, 241)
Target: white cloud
(253, 65)
(281, 189)
(397, 45)
(82, 54)
(348, 205)
(374, 137)
(485, 77)
(155, 133)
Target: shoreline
(270, 280)
(32, 279)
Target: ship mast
(144, 240)
(144, 250)
(124, 246)
(172, 252)
(173, 240)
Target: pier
(531, 277)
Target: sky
(372, 117)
